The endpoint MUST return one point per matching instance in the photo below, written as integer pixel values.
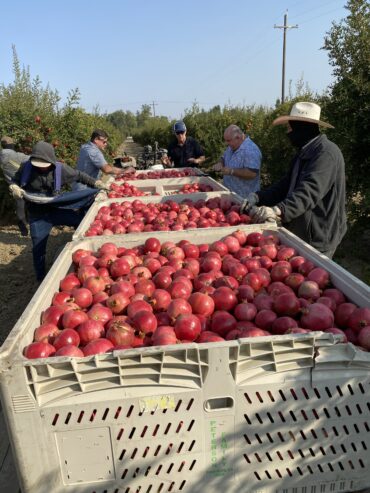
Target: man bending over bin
(39, 181)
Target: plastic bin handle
(218, 404)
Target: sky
(122, 54)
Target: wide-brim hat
(303, 112)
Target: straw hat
(303, 112)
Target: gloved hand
(16, 191)
(265, 214)
(101, 196)
(103, 186)
(249, 202)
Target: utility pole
(154, 105)
(285, 27)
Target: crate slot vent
(329, 432)
(152, 488)
(160, 450)
(118, 414)
(301, 471)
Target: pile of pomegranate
(125, 190)
(194, 188)
(136, 217)
(157, 174)
(159, 294)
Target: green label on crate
(218, 449)
(160, 402)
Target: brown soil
(18, 283)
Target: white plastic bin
(281, 413)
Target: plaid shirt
(248, 155)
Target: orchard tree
(124, 121)
(143, 116)
(348, 104)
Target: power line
(285, 27)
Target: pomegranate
(98, 346)
(201, 304)
(309, 290)
(136, 306)
(342, 314)
(46, 333)
(71, 351)
(336, 331)
(329, 302)
(224, 298)
(335, 294)
(286, 304)
(144, 322)
(265, 318)
(72, 318)
(317, 317)
(83, 297)
(282, 325)
(38, 350)
(364, 337)
(222, 322)
(245, 311)
(359, 318)
(90, 330)
(187, 327)
(209, 336)
(320, 276)
(67, 336)
(117, 302)
(163, 336)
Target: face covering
(302, 133)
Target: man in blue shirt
(91, 159)
(241, 162)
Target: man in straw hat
(310, 199)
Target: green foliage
(30, 112)
(348, 103)
(125, 122)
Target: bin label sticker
(153, 403)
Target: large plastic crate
(276, 414)
(95, 206)
(169, 186)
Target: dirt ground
(18, 283)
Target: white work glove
(16, 191)
(101, 196)
(103, 186)
(249, 202)
(265, 214)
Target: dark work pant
(40, 227)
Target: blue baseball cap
(179, 127)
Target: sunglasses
(105, 141)
(180, 133)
